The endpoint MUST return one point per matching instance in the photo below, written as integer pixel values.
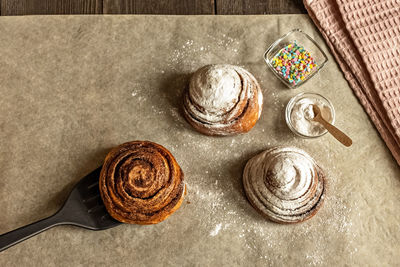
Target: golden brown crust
(141, 183)
(239, 119)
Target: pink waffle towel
(364, 37)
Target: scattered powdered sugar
(218, 204)
(185, 54)
(139, 98)
(216, 230)
(188, 49)
(222, 210)
(225, 41)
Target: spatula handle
(338, 134)
(14, 237)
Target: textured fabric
(364, 36)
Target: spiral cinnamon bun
(285, 184)
(141, 183)
(222, 100)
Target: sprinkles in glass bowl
(295, 58)
(294, 63)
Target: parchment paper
(72, 87)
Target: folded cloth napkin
(364, 36)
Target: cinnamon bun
(141, 183)
(285, 184)
(223, 100)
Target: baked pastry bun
(222, 100)
(284, 184)
(141, 183)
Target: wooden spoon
(338, 134)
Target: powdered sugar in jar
(299, 114)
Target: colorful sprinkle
(293, 63)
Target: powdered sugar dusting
(222, 210)
(189, 49)
(220, 96)
(284, 184)
(216, 88)
(216, 230)
(213, 171)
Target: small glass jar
(299, 37)
(314, 97)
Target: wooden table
(173, 7)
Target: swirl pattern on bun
(141, 183)
(285, 184)
(223, 99)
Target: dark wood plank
(178, 7)
(171, 7)
(245, 7)
(39, 7)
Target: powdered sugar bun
(285, 184)
(223, 99)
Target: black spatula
(84, 207)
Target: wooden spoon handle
(338, 134)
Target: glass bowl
(294, 100)
(302, 39)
